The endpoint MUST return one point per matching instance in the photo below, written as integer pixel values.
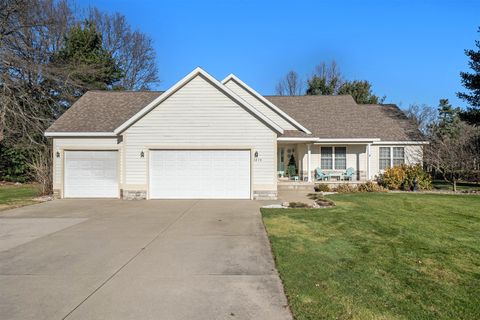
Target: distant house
(211, 139)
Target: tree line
(51, 53)
(327, 80)
(453, 133)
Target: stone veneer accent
(265, 195)
(134, 194)
(142, 194)
(56, 193)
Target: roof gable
(198, 72)
(267, 103)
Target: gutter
(80, 134)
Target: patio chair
(348, 174)
(319, 175)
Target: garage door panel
(199, 174)
(91, 174)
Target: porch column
(368, 161)
(309, 163)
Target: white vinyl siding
(259, 105)
(412, 154)
(356, 157)
(61, 144)
(199, 116)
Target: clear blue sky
(412, 52)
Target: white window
(333, 158)
(341, 158)
(385, 158)
(398, 156)
(326, 158)
(391, 156)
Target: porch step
(301, 186)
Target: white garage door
(91, 174)
(199, 174)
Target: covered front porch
(331, 162)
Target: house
(203, 138)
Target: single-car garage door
(91, 174)
(199, 174)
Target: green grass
(461, 186)
(380, 256)
(12, 196)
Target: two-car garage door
(173, 174)
(199, 174)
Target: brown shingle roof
(324, 116)
(102, 111)
(339, 117)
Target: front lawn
(461, 186)
(12, 196)
(380, 256)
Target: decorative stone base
(56, 193)
(133, 194)
(265, 195)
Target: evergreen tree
(361, 91)
(471, 82)
(88, 64)
(448, 119)
(326, 81)
(292, 166)
(321, 86)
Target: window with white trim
(326, 161)
(333, 158)
(398, 156)
(385, 158)
(340, 158)
(391, 156)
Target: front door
(284, 155)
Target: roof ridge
(308, 95)
(125, 91)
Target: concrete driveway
(113, 259)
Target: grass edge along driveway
(13, 196)
(380, 256)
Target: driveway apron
(113, 259)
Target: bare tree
(290, 85)
(30, 31)
(326, 80)
(424, 116)
(36, 30)
(133, 50)
(455, 156)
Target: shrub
(345, 188)
(14, 165)
(370, 186)
(402, 178)
(298, 205)
(322, 188)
